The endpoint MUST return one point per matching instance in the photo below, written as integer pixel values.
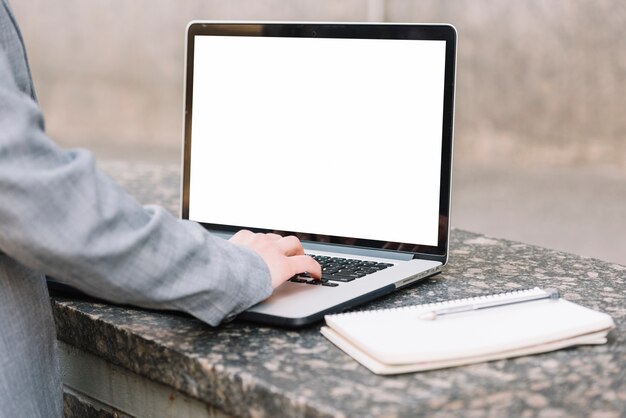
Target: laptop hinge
(357, 251)
(343, 249)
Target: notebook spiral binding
(446, 303)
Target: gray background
(540, 152)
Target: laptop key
(330, 284)
(320, 282)
(344, 279)
(346, 273)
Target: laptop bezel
(337, 30)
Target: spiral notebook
(400, 340)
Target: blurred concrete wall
(538, 80)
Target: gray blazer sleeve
(61, 216)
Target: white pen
(552, 294)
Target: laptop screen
(338, 139)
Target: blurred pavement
(580, 210)
(540, 133)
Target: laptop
(338, 133)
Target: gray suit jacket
(60, 216)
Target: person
(60, 216)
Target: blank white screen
(326, 136)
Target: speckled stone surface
(257, 371)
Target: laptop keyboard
(337, 270)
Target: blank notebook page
(399, 336)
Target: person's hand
(284, 256)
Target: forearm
(61, 216)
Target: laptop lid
(338, 133)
